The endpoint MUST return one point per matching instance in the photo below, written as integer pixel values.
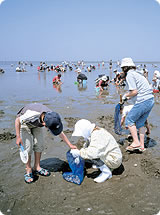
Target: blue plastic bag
(77, 167)
(117, 120)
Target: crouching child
(101, 146)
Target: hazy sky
(79, 29)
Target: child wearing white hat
(157, 74)
(102, 145)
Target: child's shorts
(32, 139)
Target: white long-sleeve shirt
(104, 146)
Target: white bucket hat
(83, 128)
(156, 72)
(127, 62)
(104, 78)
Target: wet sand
(133, 189)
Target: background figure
(156, 84)
(119, 80)
(102, 82)
(145, 73)
(156, 74)
(57, 79)
(110, 65)
(81, 77)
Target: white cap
(83, 128)
(127, 62)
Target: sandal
(28, 177)
(142, 149)
(42, 172)
(133, 148)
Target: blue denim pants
(139, 113)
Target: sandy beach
(134, 187)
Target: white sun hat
(156, 72)
(83, 128)
(104, 78)
(127, 62)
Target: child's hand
(19, 141)
(73, 147)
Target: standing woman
(142, 95)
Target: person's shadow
(53, 165)
(148, 142)
(57, 165)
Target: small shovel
(23, 154)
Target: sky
(71, 30)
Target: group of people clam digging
(100, 146)
(102, 81)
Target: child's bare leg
(37, 157)
(148, 128)
(29, 168)
(141, 134)
(28, 165)
(37, 168)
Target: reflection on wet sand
(57, 87)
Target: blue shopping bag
(117, 120)
(77, 167)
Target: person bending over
(57, 79)
(100, 146)
(29, 125)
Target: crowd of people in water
(102, 82)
